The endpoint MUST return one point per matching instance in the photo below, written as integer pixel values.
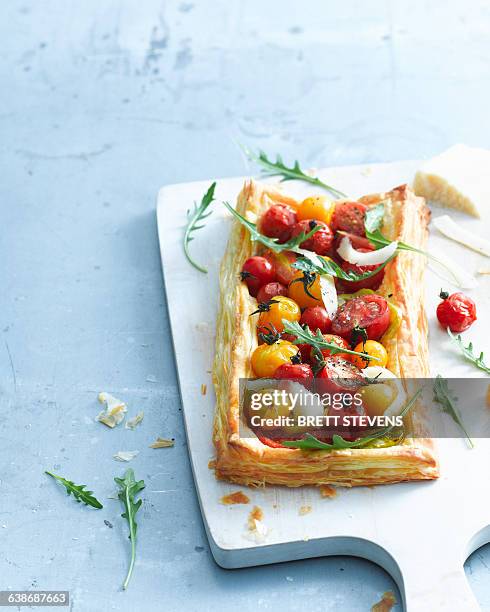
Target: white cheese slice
(457, 178)
(329, 294)
(114, 412)
(455, 232)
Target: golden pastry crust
(249, 462)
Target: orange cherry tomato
(373, 349)
(274, 311)
(319, 208)
(266, 358)
(305, 289)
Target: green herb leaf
(305, 336)
(129, 488)
(193, 218)
(446, 399)
(328, 266)
(271, 243)
(468, 353)
(77, 491)
(309, 442)
(294, 173)
(372, 223)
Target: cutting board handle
(446, 591)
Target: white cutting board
(421, 533)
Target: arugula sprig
(77, 491)
(307, 262)
(129, 488)
(293, 173)
(194, 217)
(271, 243)
(309, 442)
(468, 353)
(446, 399)
(305, 336)
(373, 220)
(321, 265)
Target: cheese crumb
(457, 178)
(304, 510)
(162, 443)
(114, 411)
(136, 420)
(125, 455)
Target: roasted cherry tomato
(316, 207)
(304, 349)
(278, 222)
(368, 312)
(274, 311)
(305, 289)
(373, 282)
(271, 290)
(456, 311)
(257, 271)
(373, 349)
(266, 358)
(320, 242)
(339, 375)
(338, 341)
(282, 265)
(349, 217)
(358, 242)
(316, 317)
(298, 371)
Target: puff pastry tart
(377, 318)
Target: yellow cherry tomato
(305, 290)
(373, 349)
(280, 308)
(377, 398)
(319, 208)
(268, 357)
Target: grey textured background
(101, 103)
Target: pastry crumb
(163, 443)
(238, 497)
(366, 171)
(304, 510)
(257, 531)
(488, 396)
(204, 389)
(385, 604)
(256, 514)
(212, 464)
(328, 491)
(484, 271)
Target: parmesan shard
(455, 232)
(125, 455)
(457, 178)
(134, 421)
(162, 443)
(114, 412)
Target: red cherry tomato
(282, 265)
(373, 282)
(257, 271)
(349, 217)
(338, 341)
(267, 292)
(304, 349)
(339, 375)
(358, 242)
(370, 312)
(297, 371)
(320, 242)
(456, 311)
(277, 222)
(316, 317)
